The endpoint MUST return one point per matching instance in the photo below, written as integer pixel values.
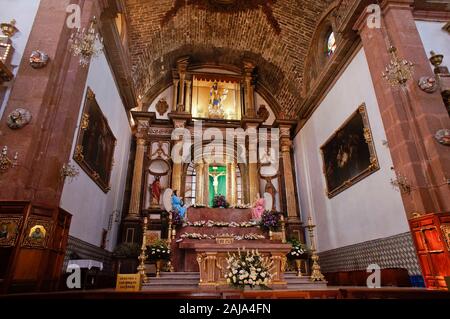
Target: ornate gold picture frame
(37, 233)
(446, 233)
(9, 230)
(349, 154)
(96, 142)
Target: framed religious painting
(9, 230)
(37, 233)
(349, 154)
(94, 151)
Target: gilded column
(286, 145)
(135, 202)
(228, 183)
(206, 184)
(249, 90)
(199, 183)
(182, 65)
(175, 95)
(188, 106)
(253, 178)
(233, 201)
(177, 172)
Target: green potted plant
(159, 252)
(126, 255)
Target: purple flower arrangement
(270, 220)
(177, 220)
(220, 201)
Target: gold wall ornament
(162, 106)
(86, 43)
(78, 155)
(5, 162)
(399, 70)
(84, 121)
(9, 28)
(38, 59)
(18, 118)
(5, 49)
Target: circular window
(331, 44)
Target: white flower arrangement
(297, 251)
(249, 268)
(210, 224)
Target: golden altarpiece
(220, 101)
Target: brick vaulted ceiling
(277, 47)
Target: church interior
(279, 148)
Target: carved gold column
(182, 65)
(199, 183)
(206, 184)
(188, 106)
(228, 183)
(175, 95)
(233, 201)
(249, 91)
(135, 202)
(286, 145)
(253, 176)
(177, 172)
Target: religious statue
(177, 204)
(216, 100)
(156, 191)
(270, 188)
(215, 177)
(258, 208)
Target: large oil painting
(96, 142)
(349, 154)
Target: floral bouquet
(298, 250)
(249, 269)
(270, 220)
(159, 250)
(177, 220)
(220, 201)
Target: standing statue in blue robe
(177, 204)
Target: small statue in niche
(428, 84)
(270, 188)
(38, 59)
(263, 113)
(18, 118)
(258, 208)
(156, 191)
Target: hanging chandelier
(86, 44)
(399, 71)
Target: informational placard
(128, 282)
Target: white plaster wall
(259, 100)
(435, 38)
(24, 11)
(90, 206)
(370, 209)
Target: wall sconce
(69, 171)
(401, 183)
(5, 162)
(398, 71)
(9, 29)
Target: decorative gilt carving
(84, 121)
(263, 113)
(18, 118)
(428, 84)
(9, 28)
(162, 106)
(445, 228)
(78, 155)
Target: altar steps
(189, 281)
(173, 281)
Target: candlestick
(316, 274)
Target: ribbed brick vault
(224, 38)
